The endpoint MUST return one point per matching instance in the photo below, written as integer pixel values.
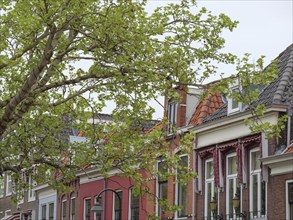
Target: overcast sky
(265, 27)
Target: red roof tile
(206, 107)
(289, 149)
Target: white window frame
(130, 201)
(231, 110)
(8, 182)
(177, 191)
(2, 182)
(54, 209)
(31, 190)
(8, 212)
(62, 209)
(46, 211)
(172, 116)
(287, 199)
(234, 178)
(70, 217)
(256, 173)
(213, 189)
(84, 211)
(157, 188)
(114, 196)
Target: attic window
(233, 105)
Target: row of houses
(240, 175)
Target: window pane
(162, 168)
(255, 162)
(210, 170)
(182, 199)
(254, 194)
(134, 207)
(87, 209)
(209, 198)
(44, 212)
(231, 195)
(63, 210)
(162, 194)
(72, 209)
(51, 211)
(232, 165)
(117, 205)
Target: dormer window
(233, 105)
(172, 113)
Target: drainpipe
(290, 112)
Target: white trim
(6, 212)
(70, 211)
(62, 203)
(233, 87)
(287, 199)
(31, 189)
(230, 177)
(8, 181)
(209, 181)
(256, 174)
(84, 199)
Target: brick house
(25, 209)
(234, 164)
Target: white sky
(265, 28)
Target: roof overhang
(234, 119)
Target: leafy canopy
(61, 61)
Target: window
(289, 199)
(87, 208)
(134, 206)
(1, 187)
(31, 191)
(257, 194)
(162, 187)
(44, 212)
(51, 211)
(7, 212)
(72, 209)
(63, 210)
(232, 186)
(181, 189)
(1, 215)
(8, 185)
(98, 215)
(117, 205)
(233, 104)
(172, 113)
(210, 190)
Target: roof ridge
(285, 77)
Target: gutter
(237, 117)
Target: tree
(128, 56)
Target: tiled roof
(278, 92)
(206, 107)
(289, 149)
